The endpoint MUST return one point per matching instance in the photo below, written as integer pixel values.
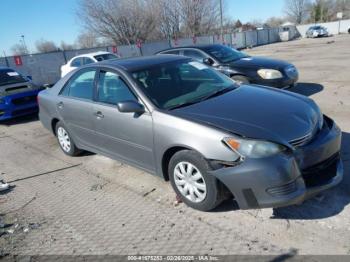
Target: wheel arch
(170, 152)
(167, 155)
(54, 122)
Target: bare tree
(275, 21)
(332, 7)
(169, 18)
(323, 11)
(44, 46)
(87, 40)
(297, 10)
(65, 46)
(122, 21)
(19, 49)
(199, 16)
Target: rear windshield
(225, 54)
(9, 76)
(105, 57)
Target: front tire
(65, 141)
(188, 172)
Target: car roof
(201, 47)
(142, 62)
(92, 54)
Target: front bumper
(284, 82)
(287, 178)
(19, 104)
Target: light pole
(24, 44)
(221, 23)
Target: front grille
(24, 100)
(24, 111)
(321, 173)
(301, 140)
(282, 190)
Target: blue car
(18, 95)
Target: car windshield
(225, 54)
(105, 57)
(181, 83)
(9, 76)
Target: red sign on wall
(18, 60)
(138, 43)
(114, 49)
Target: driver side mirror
(130, 107)
(208, 61)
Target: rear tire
(65, 141)
(240, 79)
(188, 173)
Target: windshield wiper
(184, 104)
(218, 92)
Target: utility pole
(221, 22)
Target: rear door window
(171, 52)
(194, 54)
(88, 60)
(81, 85)
(76, 62)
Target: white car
(85, 59)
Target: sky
(56, 20)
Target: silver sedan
(187, 123)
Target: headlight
(269, 74)
(253, 148)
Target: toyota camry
(185, 122)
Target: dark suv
(240, 66)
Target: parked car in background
(85, 59)
(18, 94)
(212, 138)
(317, 31)
(240, 66)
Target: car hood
(256, 112)
(259, 62)
(17, 88)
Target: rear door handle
(99, 114)
(60, 105)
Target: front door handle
(60, 105)
(99, 114)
